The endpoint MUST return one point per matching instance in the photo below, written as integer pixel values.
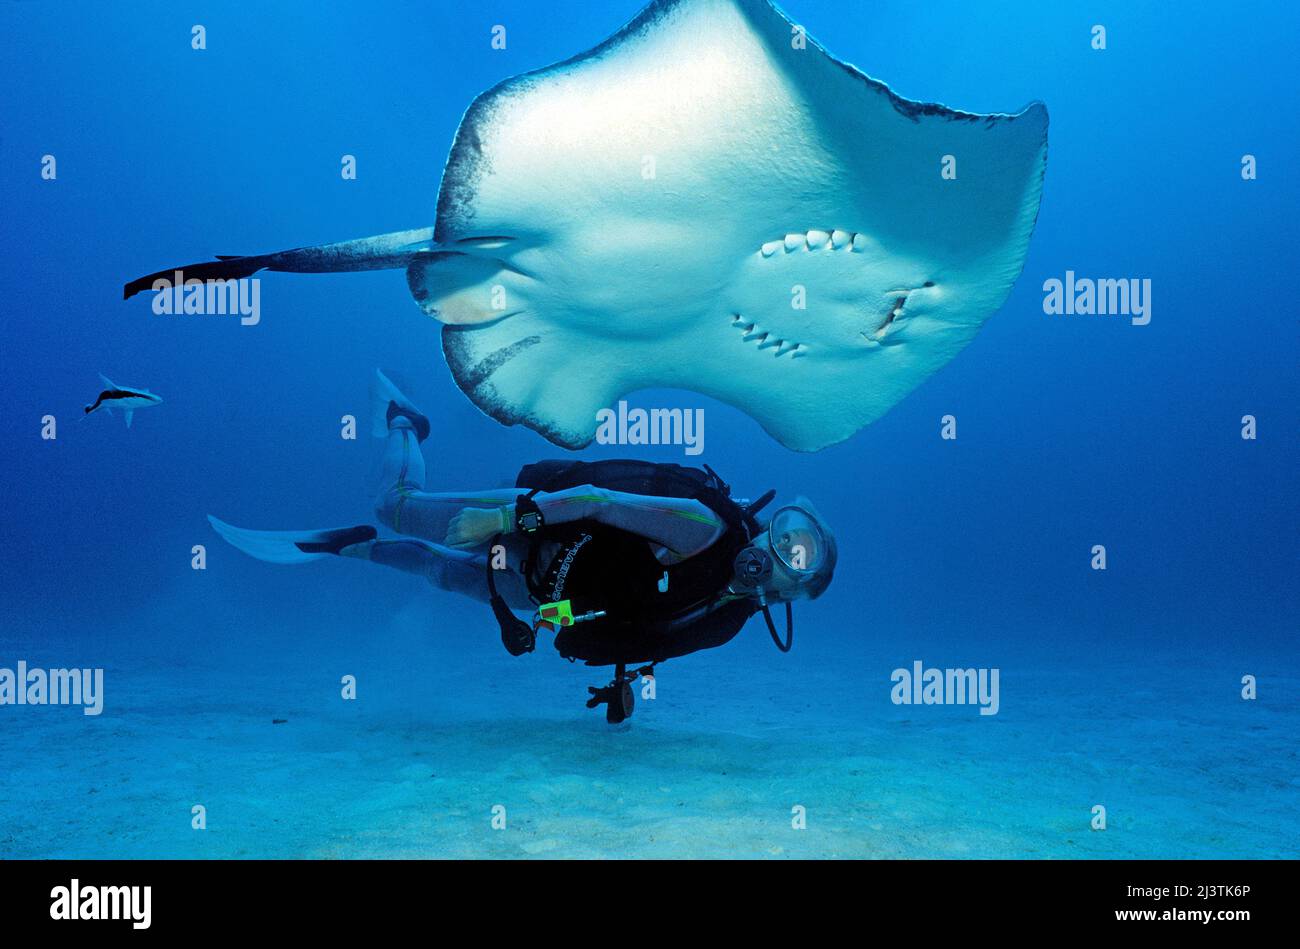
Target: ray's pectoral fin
(507, 350)
(383, 252)
(524, 371)
(812, 247)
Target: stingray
(710, 201)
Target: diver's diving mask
(786, 559)
(793, 558)
(798, 543)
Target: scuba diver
(625, 561)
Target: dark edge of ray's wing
(474, 379)
(913, 109)
(464, 160)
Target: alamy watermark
(75, 901)
(1083, 296)
(195, 297)
(921, 686)
(23, 686)
(651, 427)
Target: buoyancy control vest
(651, 611)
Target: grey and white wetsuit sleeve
(682, 526)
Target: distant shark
(125, 398)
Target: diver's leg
(403, 427)
(403, 462)
(401, 477)
(427, 515)
(401, 474)
(455, 571)
(402, 502)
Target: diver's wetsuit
(676, 528)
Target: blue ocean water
(1120, 688)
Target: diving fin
(292, 546)
(387, 402)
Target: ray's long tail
(383, 252)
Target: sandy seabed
(714, 766)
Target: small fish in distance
(126, 398)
